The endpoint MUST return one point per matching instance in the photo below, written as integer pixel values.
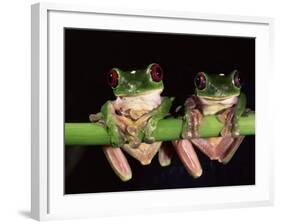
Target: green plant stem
(167, 129)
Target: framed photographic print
(161, 111)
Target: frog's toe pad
(188, 157)
(165, 154)
(218, 148)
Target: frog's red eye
(156, 73)
(237, 80)
(112, 78)
(200, 81)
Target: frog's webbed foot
(230, 151)
(165, 154)
(230, 125)
(118, 162)
(132, 135)
(191, 124)
(218, 148)
(155, 116)
(230, 120)
(150, 127)
(116, 136)
(133, 130)
(188, 157)
(97, 118)
(144, 152)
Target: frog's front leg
(111, 122)
(191, 119)
(239, 111)
(231, 116)
(156, 115)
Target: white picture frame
(48, 200)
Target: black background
(89, 55)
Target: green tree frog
(136, 111)
(218, 95)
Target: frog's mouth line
(147, 93)
(218, 98)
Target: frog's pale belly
(137, 106)
(211, 107)
(133, 113)
(147, 101)
(214, 109)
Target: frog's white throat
(145, 102)
(213, 106)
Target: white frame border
(40, 105)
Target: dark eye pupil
(112, 78)
(156, 73)
(200, 81)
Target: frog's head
(219, 86)
(136, 82)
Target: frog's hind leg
(214, 148)
(218, 148)
(144, 152)
(188, 157)
(118, 162)
(229, 153)
(165, 154)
